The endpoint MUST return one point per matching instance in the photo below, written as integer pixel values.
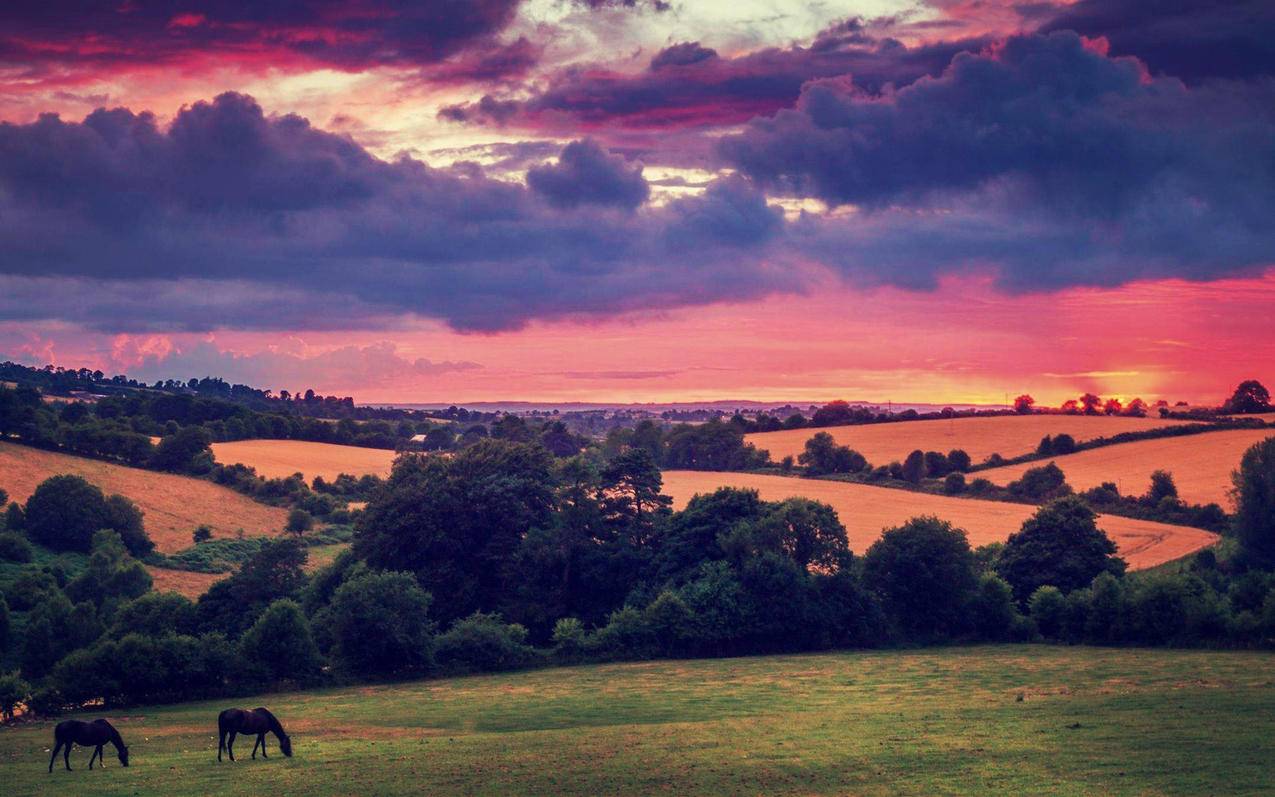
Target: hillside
(173, 505)
(866, 511)
(1201, 464)
(1007, 435)
(282, 458)
(973, 720)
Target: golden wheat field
(282, 458)
(1201, 464)
(866, 511)
(1007, 435)
(173, 505)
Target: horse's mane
(275, 725)
(116, 739)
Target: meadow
(1201, 465)
(173, 505)
(976, 720)
(867, 510)
(1007, 435)
(282, 458)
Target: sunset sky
(943, 201)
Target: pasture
(1007, 435)
(968, 720)
(173, 505)
(282, 458)
(1201, 465)
(867, 510)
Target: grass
(1007, 435)
(1201, 464)
(939, 721)
(282, 458)
(867, 510)
(173, 505)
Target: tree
(1041, 483)
(1255, 505)
(992, 608)
(5, 627)
(632, 485)
(484, 642)
(111, 576)
(958, 460)
(1089, 403)
(189, 450)
(1250, 396)
(1023, 404)
(924, 574)
(380, 624)
(1062, 546)
(823, 455)
(1048, 607)
(1137, 408)
(275, 571)
(914, 467)
(65, 512)
(936, 464)
(1112, 407)
(804, 531)
(280, 644)
(299, 522)
(202, 533)
(13, 690)
(1162, 487)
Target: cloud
(1041, 159)
(341, 35)
(688, 85)
(374, 365)
(1191, 39)
(232, 218)
(585, 174)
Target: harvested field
(1007, 435)
(174, 505)
(1201, 465)
(184, 582)
(866, 511)
(282, 458)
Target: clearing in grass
(1007, 435)
(282, 458)
(974, 720)
(866, 510)
(173, 505)
(1201, 465)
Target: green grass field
(935, 721)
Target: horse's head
(123, 751)
(285, 744)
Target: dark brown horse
(87, 734)
(259, 721)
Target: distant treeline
(503, 556)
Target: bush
(1041, 484)
(924, 574)
(380, 624)
(202, 533)
(569, 638)
(65, 512)
(914, 467)
(1048, 609)
(280, 644)
(993, 608)
(954, 484)
(13, 690)
(15, 548)
(188, 450)
(1162, 488)
(155, 614)
(958, 459)
(672, 623)
(628, 635)
(823, 455)
(46, 702)
(299, 522)
(484, 642)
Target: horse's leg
(66, 756)
(230, 746)
(263, 746)
(221, 742)
(54, 757)
(97, 752)
(254, 747)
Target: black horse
(87, 734)
(259, 721)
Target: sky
(611, 200)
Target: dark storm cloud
(688, 85)
(115, 215)
(1042, 159)
(585, 174)
(1190, 39)
(340, 34)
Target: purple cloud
(585, 174)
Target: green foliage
(1255, 505)
(914, 467)
(13, 690)
(112, 576)
(188, 450)
(823, 456)
(954, 484)
(1061, 545)
(202, 533)
(279, 644)
(924, 574)
(155, 614)
(15, 548)
(569, 639)
(65, 511)
(15, 519)
(484, 642)
(275, 571)
(1041, 483)
(1047, 607)
(299, 522)
(380, 624)
(992, 608)
(1162, 488)
(6, 627)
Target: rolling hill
(282, 458)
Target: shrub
(958, 459)
(992, 608)
(202, 533)
(1104, 615)
(15, 548)
(14, 518)
(1041, 484)
(1064, 444)
(280, 644)
(299, 522)
(155, 614)
(1048, 609)
(672, 623)
(46, 702)
(484, 642)
(980, 486)
(924, 573)
(13, 690)
(380, 624)
(914, 467)
(823, 455)
(627, 635)
(1162, 488)
(954, 484)
(936, 464)
(569, 638)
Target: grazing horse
(259, 721)
(87, 734)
